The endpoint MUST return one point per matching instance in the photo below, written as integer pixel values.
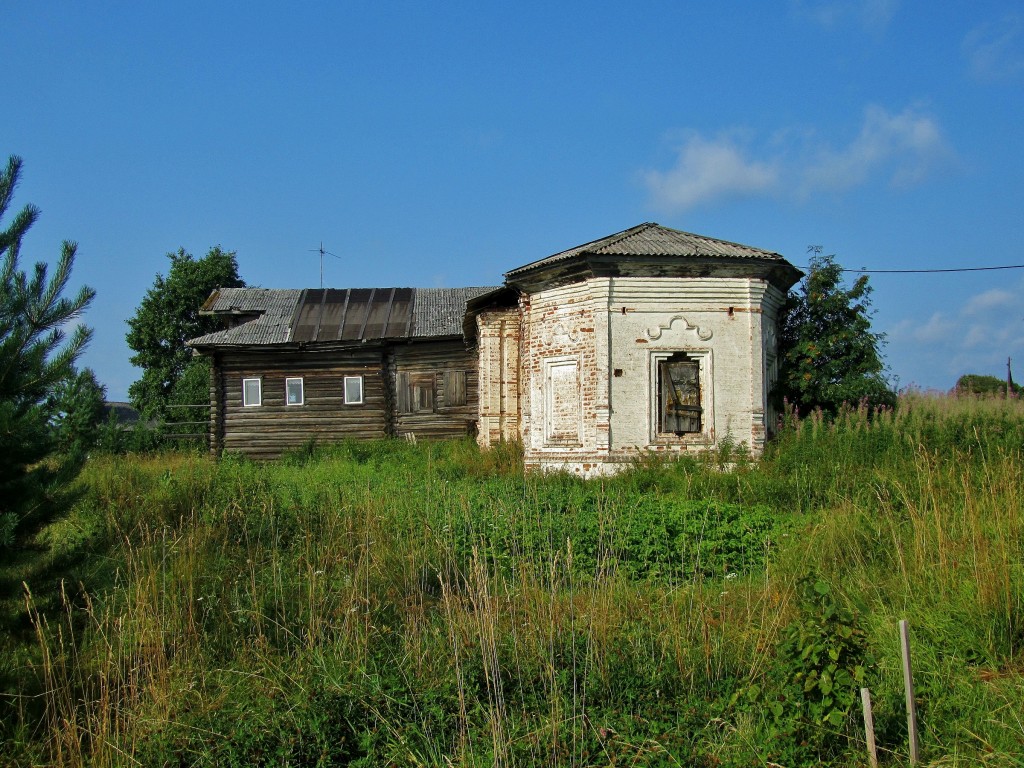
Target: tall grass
(384, 603)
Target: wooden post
(908, 684)
(869, 727)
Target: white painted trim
(549, 365)
(707, 400)
(302, 390)
(345, 390)
(259, 392)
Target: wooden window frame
(259, 392)
(455, 382)
(362, 393)
(302, 391)
(705, 381)
(416, 392)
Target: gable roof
(353, 315)
(652, 239)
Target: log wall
(268, 429)
(428, 361)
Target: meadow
(392, 604)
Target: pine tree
(78, 412)
(36, 355)
(829, 354)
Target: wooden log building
(326, 365)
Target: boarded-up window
(679, 401)
(415, 392)
(252, 392)
(454, 388)
(563, 410)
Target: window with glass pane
(679, 402)
(252, 392)
(293, 391)
(353, 390)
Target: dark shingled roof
(434, 312)
(655, 240)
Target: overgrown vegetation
(391, 604)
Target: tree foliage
(37, 354)
(979, 384)
(167, 317)
(828, 353)
(78, 412)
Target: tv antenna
(322, 252)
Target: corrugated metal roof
(245, 300)
(317, 315)
(439, 311)
(271, 327)
(652, 239)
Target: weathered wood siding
(273, 427)
(435, 364)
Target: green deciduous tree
(167, 317)
(37, 354)
(828, 353)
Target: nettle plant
(822, 662)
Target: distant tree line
(977, 384)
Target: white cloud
(709, 170)
(995, 50)
(872, 15)
(987, 300)
(902, 147)
(973, 336)
(937, 328)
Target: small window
(293, 391)
(454, 388)
(353, 390)
(252, 392)
(679, 401)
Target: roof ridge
(609, 240)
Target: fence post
(908, 684)
(869, 727)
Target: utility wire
(922, 271)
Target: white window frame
(302, 391)
(259, 392)
(707, 383)
(562, 363)
(345, 390)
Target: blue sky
(444, 144)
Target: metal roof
(336, 315)
(652, 239)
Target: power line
(818, 249)
(923, 271)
